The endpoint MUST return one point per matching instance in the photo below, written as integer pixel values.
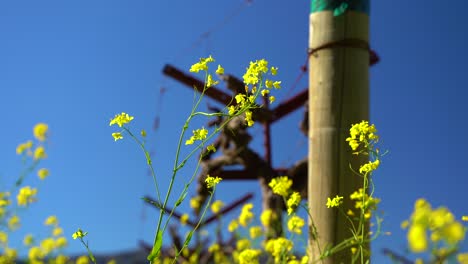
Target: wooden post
(338, 97)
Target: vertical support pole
(338, 97)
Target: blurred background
(75, 64)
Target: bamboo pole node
(348, 43)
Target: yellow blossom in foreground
(11, 254)
(210, 82)
(121, 119)
(82, 260)
(47, 245)
(198, 134)
(216, 206)
(248, 118)
(267, 217)
(293, 201)
(242, 244)
(183, 219)
(271, 99)
(335, 202)
(281, 185)
(195, 202)
(28, 240)
(465, 218)
(79, 234)
(57, 231)
(255, 232)
(249, 256)
(274, 70)
(295, 224)
(40, 131)
(369, 167)
(362, 133)
(61, 259)
(51, 221)
(3, 237)
(117, 136)
(220, 70)
(42, 173)
(14, 222)
(24, 147)
(417, 238)
(246, 215)
(280, 248)
(202, 65)
(39, 153)
(26, 196)
(211, 182)
(462, 258)
(61, 242)
(35, 253)
(233, 225)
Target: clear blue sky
(74, 64)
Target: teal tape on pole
(340, 6)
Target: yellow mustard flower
(271, 99)
(35, 253)
(42, 173)
(362, 133)
(211, 182)
(293, 201)
(121, 119)
(3, 238)
(39, 153)
(268, 84)
(242, 244)
(202, 65)
(26, 196)
(79, 234)
(295, 224)
(281, 185)
(210, 82)
(216, 206)
(249, 256)
(233, 225)
(198, 134)
(40, 131)
(279, 248)
(57, 231)
(254, 72)
(61, 259)
(335, 202)
(82, 260)
(462, 258)
(231, 110)
(274, 70)
(417, 238)
(220, 70)
(14, 222)
(465, 218)
(211, 148)
(255, 232)
(143, 133)
(11, 254)
(61, 242)
(28, 240)
(47, 245)
(240, 98)
(277, 84)
(246, 215)
(117, 136)
(183, 219)
(21, 148)
(267, 217)
(51, 221)
(248, 118)
(195, 202)
(369, 167)
(264, 92)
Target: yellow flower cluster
(211, 182)
(198, 134)
(362, 133)
(79, 234)
(281, 185)
(246, 215)
(202, 65)
(267, 217)
(42, 173)
(369, 167)
(121, 119)
(440, 224)
(216, 206)
(335, 202)
(24, 147)
(13, 223)
(364, 202)
(249, 256)
(280, 248)
(4, 202)
(26, 196)
(40, 131)
(295, 224)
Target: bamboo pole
(338, 97)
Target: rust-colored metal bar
(228, 208)
(198, 85)
(290, 105)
